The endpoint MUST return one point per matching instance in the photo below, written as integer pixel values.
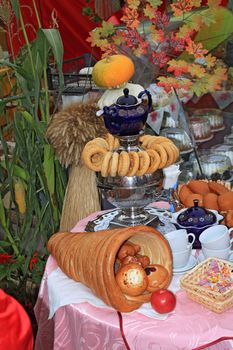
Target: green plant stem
(11, 43)
(42, 111)
(46, 94)
(11, 240)
(37, 14)
(27, 42)
(44, 116)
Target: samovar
(131, 194)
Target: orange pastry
(128, 249)
(225, 201)
(210, 201)
(129, 259)
(229, 218)
(157, 277)
(198, 186)
(184, 193)
(189, 202)
(144, 260)
(217, 187)
(132, 279)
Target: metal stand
(186, 127)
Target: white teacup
(179, 239)
(226, 253)
(181, 258)
(216, 237)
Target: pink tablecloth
(85, 327)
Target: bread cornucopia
(101, 259)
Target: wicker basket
(213, 300)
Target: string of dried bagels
(100, 155)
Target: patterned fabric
(83, 326)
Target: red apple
(163, 301)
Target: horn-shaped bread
(90, 258)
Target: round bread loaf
(132, 279)
(157, 276)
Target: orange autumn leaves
(182, 62)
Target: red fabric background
(15, 327)
(73, 26)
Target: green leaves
(213, 34)
(155, 3)
(107, 29)
(32, 160)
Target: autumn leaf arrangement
(168, 41)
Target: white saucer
(202, 258)
(204, 140)
(191, 263)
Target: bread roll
(184, 193)
(229, 218)
(199, 187)
(189, 202)
(210, 201)
(217, 187)
(225, 201)
(132, 279)
(157, 277)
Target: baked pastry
(184, 193)
(132, 279)
(217, 187)
(157, 277)
(197, 186)
(225, 201)
(229, 218)
(210, 201)
(90, 258)
(189, 201)
(128, 249)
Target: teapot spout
(99, 113)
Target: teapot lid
(196, 216)
(126, 99)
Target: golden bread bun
(198, 186)
(143, 259)
(210, 201)
(132, 279)
(129, 260)
(217, 188)
(225, 201)
(128, 249)
(189, 202)
(157, 277)
(184, 193)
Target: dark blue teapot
(128, 115)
